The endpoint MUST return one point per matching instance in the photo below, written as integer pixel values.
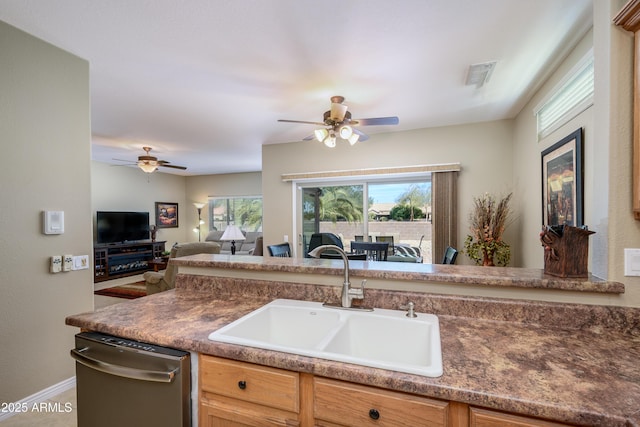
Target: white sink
(282, 324)
(384, 339)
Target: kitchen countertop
(571, 363)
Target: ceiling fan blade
(376, 121)
(303, 122)
(363, 136)
(164, 165)
(309, 137)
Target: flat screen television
(118, 227)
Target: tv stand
(113, 260)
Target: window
(399, 210)
(571, 97)
(244, 212)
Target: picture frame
(166, 215)
(562, 182)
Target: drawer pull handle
(242, 385)
(374, 414)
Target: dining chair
(350, 257)
(319, 239)
(281, 250)
(388, 239)
(375, 251)
(450, 255)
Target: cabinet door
(218, 411)
(338, 403)
(266, 386)
(242, 394)
(486, 418)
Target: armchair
(165, 280)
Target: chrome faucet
(348, 293)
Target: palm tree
(341, 203)
(248, 213)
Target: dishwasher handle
(122, 371)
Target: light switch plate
(81, 262)
(67, 262)
(631, 262)
(56, 264)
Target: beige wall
(484, 151)
(607, 156)
(123, 188)
(527, 162)
(45, 138)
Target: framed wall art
(166, 215)
(562, 182)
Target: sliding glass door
(398, 212)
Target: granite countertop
(575, 364)
(416, 272)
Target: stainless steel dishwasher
(122, 382)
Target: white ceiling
(204, 82)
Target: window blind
(571, 98)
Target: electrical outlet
(67, 262)
(56, 264)
(631, 262)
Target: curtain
(444, 194)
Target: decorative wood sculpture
(566, 250)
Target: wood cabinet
(236, 394)
(629, 19)
(123, 259)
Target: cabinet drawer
(263, 385)
(486, 418)
(351, 404)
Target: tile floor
(61, 418)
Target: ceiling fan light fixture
(345, 132)
(353, 138)
(321, 134)
(147, 167)
(330, 141)
(338, 111)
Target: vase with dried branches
(488, 219)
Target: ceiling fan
(149, 163)
(338, 122)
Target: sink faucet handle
(410, 309)
(358, 293)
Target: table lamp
(232, 233)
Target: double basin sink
(381, 338)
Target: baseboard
(41, 396)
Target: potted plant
(488, 220)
